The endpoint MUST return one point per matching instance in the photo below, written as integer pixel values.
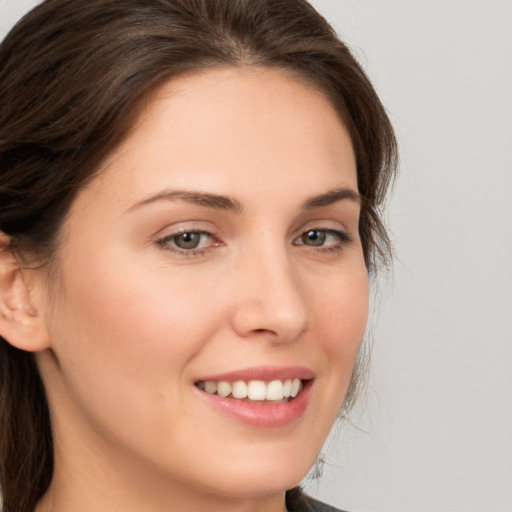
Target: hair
(74, 74)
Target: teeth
(239, 389)
(256, 390)
(287, 388)
(210, 386)
(275, 390)
(296, 385)
(223, 389)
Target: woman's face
(219, 244)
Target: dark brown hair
(73, 76)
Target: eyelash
(165, 243)
(343, 239)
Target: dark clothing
(296, 501)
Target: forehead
(234, 131)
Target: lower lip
(259, 414)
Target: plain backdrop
(434, 430)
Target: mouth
(254, 391)
(260, 397)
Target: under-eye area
(255, 390)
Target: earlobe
(21, 321)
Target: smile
(265, 397)
(254, 390)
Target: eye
(328, 238)
(187, 241)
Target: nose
(269, 300)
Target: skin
(133, 321)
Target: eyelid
(186, 226)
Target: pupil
(188, 240)
(314, 237)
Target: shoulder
(296, 501)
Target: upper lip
(265, 373)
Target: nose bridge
(269, 296)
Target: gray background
(434, 432)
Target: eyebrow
(219, 202)
(214, 201)
(331, 197)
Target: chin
(265, 474)
(251, 484)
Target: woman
(189, 198)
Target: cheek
(123, 342)
(122, 332)
(340, 316)
(141, 315)
(342, 312)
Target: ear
(21, 321)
